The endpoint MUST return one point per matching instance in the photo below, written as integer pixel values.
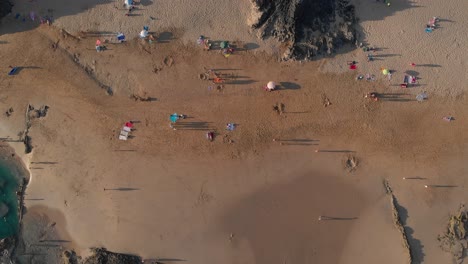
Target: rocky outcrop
(103, 256)
(455, 237)
(5, 8)
(305, 27)
(100, 256)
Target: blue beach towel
(13, 71)
(120, 37)
(174, 117)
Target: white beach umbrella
(271, 85)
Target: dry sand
(178, 196)
(226, 20)
(398, 31)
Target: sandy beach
(301, 186)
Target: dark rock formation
(70, 257)
(27, 144)
(102, 256)
(306, 27)
(455, 237)
(5, 7)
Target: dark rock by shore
(103, 256)
(5, 8)
(306, 27)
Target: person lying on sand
(373, 95)
(218, 80)
(210, 135)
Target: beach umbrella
(224, 44)
(385, 71)
(271, 85)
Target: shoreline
(15, 165)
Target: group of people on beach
(432, 24)
(408, 79)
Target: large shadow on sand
(417, 249)
(377, 10)
(20, 17)
(371, 10)
(280, 222)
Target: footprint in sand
(168, 61)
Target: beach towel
(201, 40)
(122, 137)
(174, 117)
(123, 133)
(352, 67)
(120, 37)
(409, 79)
(421, 97)
(13, 71)
(231, 126)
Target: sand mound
(351, 163)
